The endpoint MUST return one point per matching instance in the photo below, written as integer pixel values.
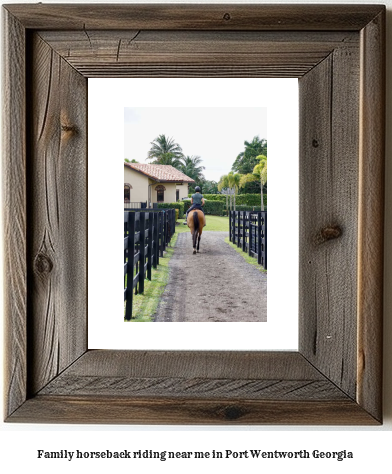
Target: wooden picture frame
(338, 54)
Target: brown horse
(195, 221)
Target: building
(145, 183)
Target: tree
(248, 178)
(229, 184)
(165, 151)
(260, 170)
(130, 161)
(234, 182)
(259, 174)
(191, 166)
(223, 187)
(247, 160)
(209, 187)
(168, 159)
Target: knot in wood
(227, 16)
(43, 264)
(232, 413)
(328, 233)
(315, 143)
(68, 128)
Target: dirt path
(215, 285)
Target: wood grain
(57, 205)
(196, 17)
(129, 53)
(371, 216)
(157, 374)
(14, 213)
(128, 410)
(329, 137)
(207, 364)
(336, 376)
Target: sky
(216, 134)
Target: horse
(195, 221)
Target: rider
(197, 202)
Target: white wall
(183, 188)
(169, 193)
(139, 183)
(371, 446)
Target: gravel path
(215, 285)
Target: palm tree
(223, 187)
(229, 182)
(165, 150)
(247, 178)
(246, 160)
(234, 182)
(168, 159)
(191, 166)
(259, 174)
(260, 170)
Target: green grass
(146, 304)
(245, 256)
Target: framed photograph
(337, 52)
(257, 106)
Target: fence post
(259, 238)
(233, 225)
(125, 235)
(166, 226)
(156, 240)
(130, 264)
(169, 226)
(173, 212)
(150, 249)
(250, 235)
(243, 231)
(161, 233)
(142, 250)
(238, 227)
(230, 231)
(265, 240)
(233, 214)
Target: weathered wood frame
(337, 52)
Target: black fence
(146, 236)
(248, 229)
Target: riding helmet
(197, 189)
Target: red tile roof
(161, 173)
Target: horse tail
(196, 221)
(196, 228)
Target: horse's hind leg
(194, 238)
(198, 243)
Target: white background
(371, 446)
(107, 329)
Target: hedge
(173, 205)
(214, 208)
(240, 199)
